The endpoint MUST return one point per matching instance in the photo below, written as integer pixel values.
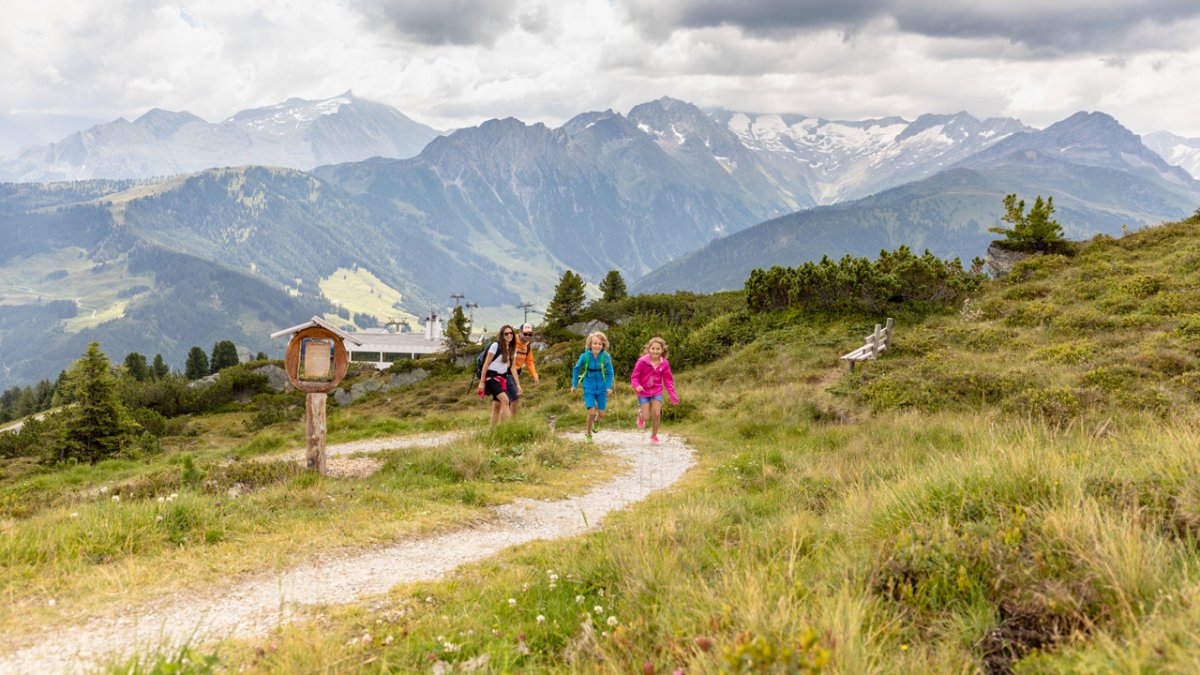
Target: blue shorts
(512, 387)
(643, 400)
(591, 400)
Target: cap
(527, 327)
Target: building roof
(412, 343)
(317, 321)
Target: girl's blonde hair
(660, 341)
(597, 335)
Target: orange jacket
(524, 357)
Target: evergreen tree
(613, 287)
(261, 356)
(568, 300)
(197, 364)
(224, 354)
(96, 425)
(458, 332)
(160, 367)
(1036, 231)
(136, 366)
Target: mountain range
(1102, 179)
(297, 133)
(668, 194)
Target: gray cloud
(1046, 28)
(440, 22)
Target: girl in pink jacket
(649, 378)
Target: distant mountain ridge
(1177, 150)
(297, 134)
(1101, 176)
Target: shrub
(1055, 405)
(862, 285)
(1032, 313)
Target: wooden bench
(876, 344)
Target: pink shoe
(641, 420)
(654, 440)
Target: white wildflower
(541, 619)
(512, 602)
(579, 599)
(612, 621)
(598, 609)
(116, 498)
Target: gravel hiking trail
(253, 607)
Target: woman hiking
(494, 376)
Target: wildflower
(158, 519)
(162, 499)
(600, 592)
(903, 648)
(366, 638)
(495, 632)
(553, 578)
(429, 598)
(612, 621)
(512, 602)
(75, 514)
(598, 609)
(116, 498)
(103, 489)
(390, 639)
(52, 602)
(450, 647)
(703, 643)
(553, 585)
(541, 619)
(579, 599)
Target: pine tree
(160, 367)
(197, 364)
(568, 300)
(458, 332)
(96, 425)
(136, 366)
(1036, 231)
(261, 356)
(613, 287)
(224, 354)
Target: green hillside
(1012, 487)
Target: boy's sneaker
(641, 420)
(595, 428)
(654, 440)
(587, 438)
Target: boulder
(999, 260)
(277, 378)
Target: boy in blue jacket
(594, 373)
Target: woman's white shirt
(498, 364)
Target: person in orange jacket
(522, 360)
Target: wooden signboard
(316, 361)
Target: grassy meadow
(1014, 487)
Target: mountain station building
(383, 346)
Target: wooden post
(887, 330)
(315, 417)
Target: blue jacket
(595, 374)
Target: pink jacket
(653, 380)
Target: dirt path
(256, 606)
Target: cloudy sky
(452, 63)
